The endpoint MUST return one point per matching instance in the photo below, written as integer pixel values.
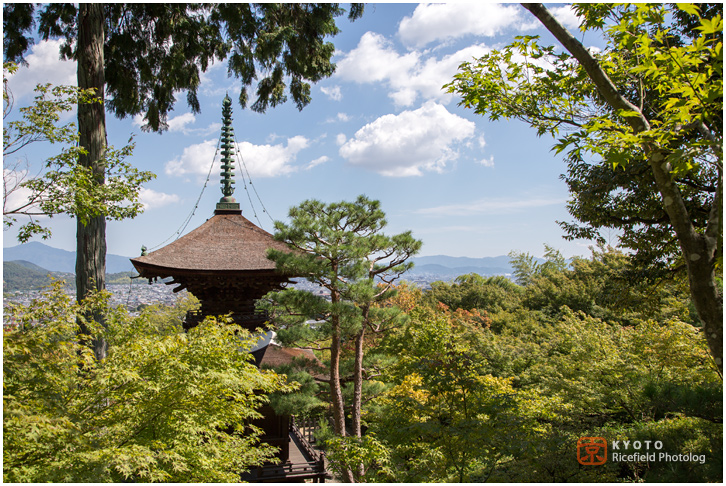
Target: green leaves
(640, 124)
(163, 406)
(64, 186)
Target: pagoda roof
(226, 244)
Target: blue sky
(380, 126)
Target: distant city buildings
(136, 296)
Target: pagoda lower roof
(226, 244)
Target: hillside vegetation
(22, 275)
(481, 379)
(491, 380)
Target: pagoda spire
(227, 203)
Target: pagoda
(223, 263)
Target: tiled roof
(277, 355)
(225, 243)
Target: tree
(165, 405)
(670, 144)
(137, 57)
(518, 394)
(445, 418)
(339, 246)
(61, 186)
(472, 291)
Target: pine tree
(339, 246)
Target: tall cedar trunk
(91, 236)
(699, 250)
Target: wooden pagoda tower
(223, 262)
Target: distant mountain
(450, 267)
(454, 262)
(23, 275)
(447, 267)
(57, 260)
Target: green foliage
(446, 419)
(641, 127)
(305, 401)
(63, 186)
(365, 455)
(341, 247)
(20, 275)
(503, 394)
(548, 90)
(154, 51)
(609, 285)
(473, 291)
(164, 405)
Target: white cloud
(408, 143)
(152, 199)
(194, 160)
(179, 123)
(318, 161)
(44, 66)
(448, 21)
(215, 82)
(15, 196)
(332, 92)
(429, 77)
(408, 76)
(138, 120)
(487, 162)
(260, 160)
(566, 16)
(339, 118)
(375, 60)
(340, 139)
(490, 206)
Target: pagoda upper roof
(225, 244)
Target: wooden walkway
(304, 463)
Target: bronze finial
(227, 202)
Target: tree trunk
(91, 236)
(335, 388)
(358, 386)
(336, 392)
(358, 380)
(699, 250)
(699, 253)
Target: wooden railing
(302, 433)
(305, 440)
(306, 427)
(306, 470)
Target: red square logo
(592, 451)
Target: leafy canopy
(164, 405)
(667, 62)
(62, 186)
(153, 51)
